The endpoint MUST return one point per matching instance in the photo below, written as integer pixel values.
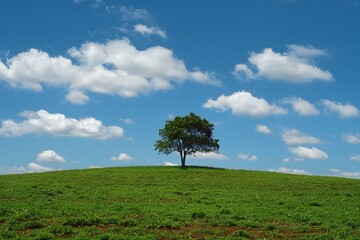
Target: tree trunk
(183, 158)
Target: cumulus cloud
(246, 157)
(122, 157)
(49, 156)
(295, 137)
(308, 153)
(293, 66)
(355, 157)
(351, 138)
(263, 129)
(209, 156)
(42, 122)
(114, 68)
(343, 110)
(290, 171)
(34, 167)
(302, 107)
(245, 104)
(342, 173)
(145, 30)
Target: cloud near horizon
(290, 171)
(122, 157)
(113, 68)
(209, 156)
(293, 66)
(43, 123)
(246, 157)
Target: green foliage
(186, 135)
(169, 203)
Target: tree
(186, 135)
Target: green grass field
(173, 203)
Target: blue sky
(88, 83)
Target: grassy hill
(171, 203)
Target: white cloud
(302, 107)
(77, 97)
(246, 157)
(12, 170)
(344, 110)
(42, 122)
(355, 157)
(308, 153)
(351, 138)
(290, 171)
(342, 173)
(113, 68)
(95, 167)
(49, 156)
(130, 13)
(286, 160)
(145, 30)
(33, 167)
(294, 137)
(127, 121)
(263, 129)
(244, 104)
(170, 164)
(294, 66)
(209, 156)
(122, 157)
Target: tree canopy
(187, 135)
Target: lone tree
(186, 135)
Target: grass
(172, 203)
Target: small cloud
(246, 157)
(33, 167)
(351, 138)
(127, 121)
(355, 157)
(210, 156)
(244, 104)
(343, 110)
(293, 66)
(49, 156)
(95, 167)
(302, 107)
(308, 153)
(263, 129)
(170, 164)
(286, 160)
(290, 171)
(122, 157)
(171, 116)
(295, 137)
(130, 13)
(145, 30)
